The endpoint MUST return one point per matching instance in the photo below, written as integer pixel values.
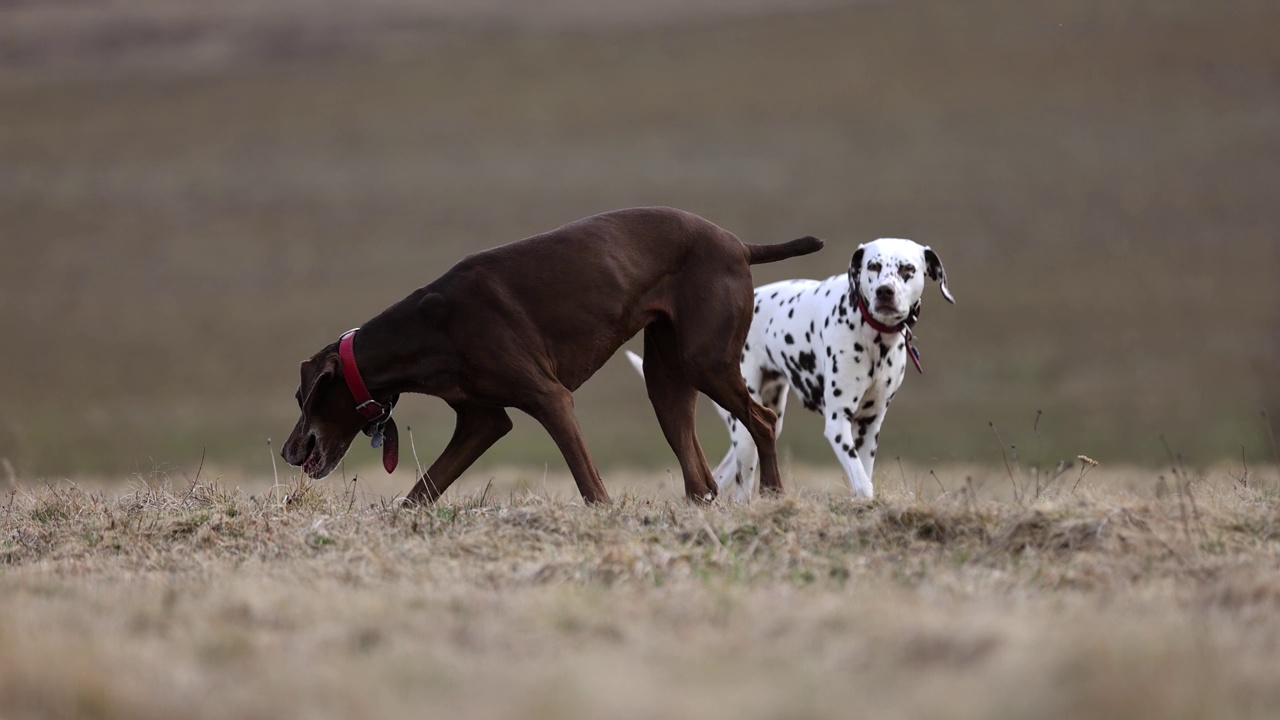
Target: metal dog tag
(377, 438)
(915, 358)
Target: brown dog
(525, 324)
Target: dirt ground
(1123, 594)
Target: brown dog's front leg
(556, 415)
(478, 428)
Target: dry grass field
(1121, 595)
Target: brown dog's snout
(298, 448)
(884, 292)
(290, 454)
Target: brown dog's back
(577, 293)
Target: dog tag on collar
(910, 339)
(377, 438)
(915, 357)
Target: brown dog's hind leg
(478, 428)
(711, 335)
(555, 412)
(675, 401)
(729, 391)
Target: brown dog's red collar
(381, 427)
(365, 404)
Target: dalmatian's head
(889, 274)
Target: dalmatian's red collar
(903, 327)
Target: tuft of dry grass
(208, 599)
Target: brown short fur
(523, 325)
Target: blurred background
(196, 196)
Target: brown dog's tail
(757, 254)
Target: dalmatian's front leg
(840, 433)
(868, 429)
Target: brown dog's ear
(319, 373)
(935, 271)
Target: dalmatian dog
(843, 344)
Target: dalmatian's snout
(886, 301)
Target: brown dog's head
(329, 419)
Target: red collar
(901, 327)
(874, 323)
(365, 404)
(381, 426)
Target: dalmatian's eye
(874, 267)
(906, 271)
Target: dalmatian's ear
(855, 265)
(856, 261)
(935, 271)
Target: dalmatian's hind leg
(736, 473)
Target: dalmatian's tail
(637, 362)
(757, 254)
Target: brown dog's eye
(874, 267)
(906, 271)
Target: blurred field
(195, 196)
(1122, 595)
